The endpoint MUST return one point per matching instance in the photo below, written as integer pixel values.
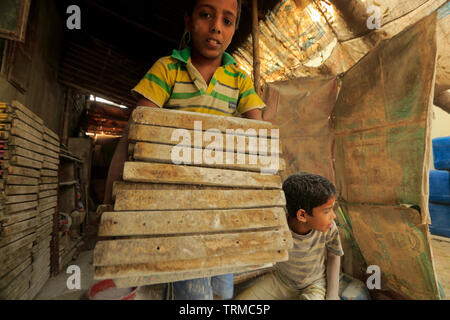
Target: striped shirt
(173, 82)
(307, 258)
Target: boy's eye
(205, 15)
(227, 22)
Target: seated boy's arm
(333, 268)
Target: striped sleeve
(157, 84)
(248, 98)
(333, 241)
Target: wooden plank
(23, 143)
(14, 190)
(228, 160)
(45, 223)
(51, 140)
(17, 105)
(18, 286)
(17, 114)
(160, 268)
(131, 148)
(166, 135)
(49, 165)
(49, 193)
(43, 250)
(52, 160)
(44, 201)
(20, 198)
(47, 213)
(7, 279)
(44, 180)
(21, 180)
(149, 250)
(51, 186)
(185, 119)
(8, 220)
(168, 222)
(40, 271)
(51, 147)
(156, 278)
(67, 257)
(49, 132)
(27, 136)
(12, 208)
(19, 227)
(27, 240)
(51, 154)
(49, 173)
(40, 268)
(24, 127)
(47, 206)
(170, 173)
(5, 240)
(19, 151)
(36, 287)
(22, 171)
(197, 199)
(13, 260)
(122, 185)
(43, 235)
(24, 162)
(41, 245)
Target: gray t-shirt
(307, 258)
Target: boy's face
(323, 216)
(212, 26)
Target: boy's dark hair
(190, 5)
(306, 191)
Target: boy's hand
(334, 297)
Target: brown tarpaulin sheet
(371, 137)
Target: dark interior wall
(44, 95)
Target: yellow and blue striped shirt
(173, 82)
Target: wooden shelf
(68, 183)
(68, 253)
(65, 156)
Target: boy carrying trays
(312, 271)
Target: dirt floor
(441, 253)
(56, 287)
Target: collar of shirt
(185, 54)
(185, 57)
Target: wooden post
(66, 117)
(255, 35)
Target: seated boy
(312, 271)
